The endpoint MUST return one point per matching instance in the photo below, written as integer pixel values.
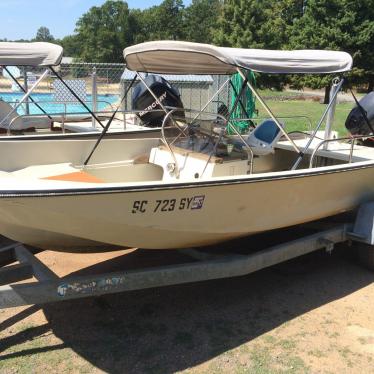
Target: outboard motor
(143, 100)
(356, 123)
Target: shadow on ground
(174, 328)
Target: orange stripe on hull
(78, 176)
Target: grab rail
(353, 138)
(176, 167)
(308, 120)
(247, 148)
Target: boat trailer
(203, 266)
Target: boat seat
(18, 123)
(263, 138)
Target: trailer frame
(48, 287)
(18, 263)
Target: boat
(57, 125)
(204, 185)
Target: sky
(20, 19)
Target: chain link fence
(196, 91)
(98, 85)
(101, 87)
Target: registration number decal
(168, 205)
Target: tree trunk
(326, 100)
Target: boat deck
(337, 150)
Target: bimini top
(175, 57)
(30, 54)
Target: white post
(124, 104)
(25, 86)
(331, 113)
(94, 95)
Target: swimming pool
(46, 101)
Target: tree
(104, 32)
(170, 20)
(245, 24)
(257, 24)
(43, 35)
(164, 21)
(71, 45)
(146, 24)
(338, 25)
(201, 19)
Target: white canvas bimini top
(175, 57)
(30, 54)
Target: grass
(262, 360)
(317, 353)
(268, 93)
(313, 110)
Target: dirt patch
(313, 315)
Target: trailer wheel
(366, 255)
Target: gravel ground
(311, 315)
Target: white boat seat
(263, 138)
(21, 123)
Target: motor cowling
(150, 112)
(356, 123)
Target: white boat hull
(185, 215)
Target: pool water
(46, 101)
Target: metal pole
(294, 167)
(25, 86)
(106, 128)
(25, 91)
(152, 93)
(259, 98)
(76, 96)
(331, 113)
(211, 99)
(124, 103)
(248, 148)
(159, 103)
(351, 150)
(24, 97)
(94, 95)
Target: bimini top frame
(39, 54)
(177, 57)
